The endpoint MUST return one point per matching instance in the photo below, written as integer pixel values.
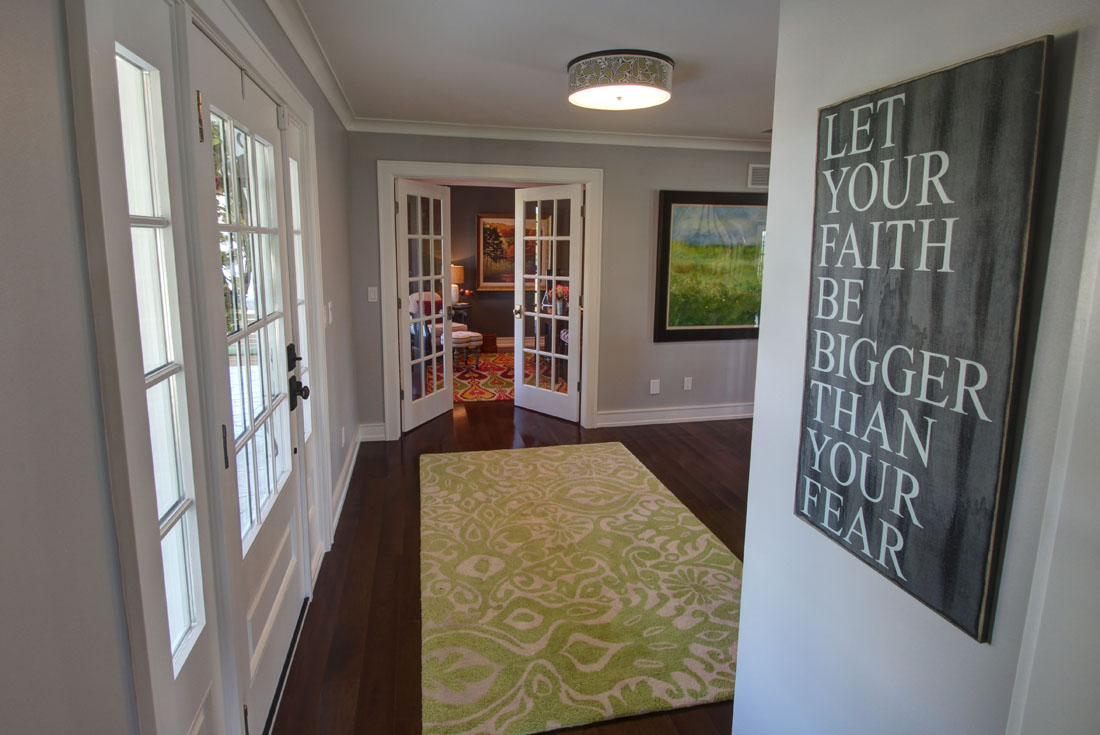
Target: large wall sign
(921, 226)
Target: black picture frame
(682, 316)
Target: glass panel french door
(548, 298)
(240, 168)
(424, 245)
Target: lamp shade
(623, 79)
(458, 274)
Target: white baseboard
(674, 414)
(343, 483)
(372, 432)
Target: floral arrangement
(562, 292)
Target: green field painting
(714, 265)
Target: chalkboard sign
(921, 225)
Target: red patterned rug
(489, 380)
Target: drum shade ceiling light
(623, 79)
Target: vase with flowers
(561, 301)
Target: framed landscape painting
(496, 252)
(710, 255)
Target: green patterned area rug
(566, 585)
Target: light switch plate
(654, 386)
(372, 293)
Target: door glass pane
(275, 349)
(273, 287)
(249, 273)
(562, 368)
(265, 185)
(281, 438)
(223, 193)
(530, 296)
(173, 554)
(145, 242)
(425, 216)
(546, 218)
(561, 258)
(530, 367)
(238, 390)
(295, 198)
(163, 439)
(429, 377)
(412, 213)
(299, 269)
(564, 211)
(255, 373)
(530, 215)
(307, 419)
(417, 380)
(136, 149)
(437, 261)
(437, 216)
(260, 445)
(234, 306)
(242, 169)
(546, 251)
(426, 258)
(303, 339)
(244, 489)
(414, 258)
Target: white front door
(244, 237)
(423, 277)
(548, 299)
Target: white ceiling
(477, 63)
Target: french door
(423, 275)
(548, 299)
(240, 169)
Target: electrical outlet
(654, 386)
(330, 312)
(343, 436)
(372, 293)
(687, 383)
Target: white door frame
(390, 171)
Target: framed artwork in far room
(496, 252)
(710, 258)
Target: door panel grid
(244, 187)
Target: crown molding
(554, 135)
(302, 37)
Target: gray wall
(723, 372)
(332, 181)
(827, 645)
(64, 650)
(490, 311)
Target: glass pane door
(547, 342)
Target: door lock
(517, 312)
(296, 389)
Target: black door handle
(297, 390)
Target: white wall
(64, 652)
(827, 645)
(723, 372)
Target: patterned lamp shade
(620, 80)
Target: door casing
(390, 171)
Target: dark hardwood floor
(357, 665)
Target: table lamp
(458, 275)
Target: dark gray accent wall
(490, 311)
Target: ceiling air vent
(758, 175)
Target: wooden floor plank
(357, 665)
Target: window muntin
(164, 387)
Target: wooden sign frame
(923, 215)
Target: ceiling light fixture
(623, 79)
